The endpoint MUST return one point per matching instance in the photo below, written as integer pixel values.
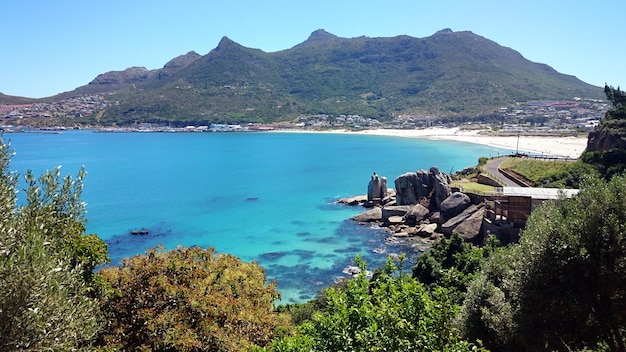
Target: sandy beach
(570, 147)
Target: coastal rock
(454, 204)
(394, 220)
(469, 229)
(449, 226)
(357, 200)
(395, 210)
(377, 188)
(603, 140)
(416, 214)
(412, 187)
(406, 185)
(441, 187)
(372, 215)
(426, 230)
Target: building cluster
(534, 116)
(579, 113)
(341, 121)
(78, 106)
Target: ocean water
(267, 197)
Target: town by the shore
(556, 146)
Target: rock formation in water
(423, 206)
(377, 188)
(414, 187)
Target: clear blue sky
(49, 47)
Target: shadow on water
(124, 245)
(302, 281)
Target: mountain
(14, 100)
(449, 74)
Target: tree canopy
(46, 263)
(564, 286)
(390, 312)
(188, 299)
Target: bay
(265, 197)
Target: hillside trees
(564, 286)
(188, 299)
(390, 312)
(46, 263)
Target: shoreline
(556, 146)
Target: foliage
(188, 299)
(609, 157)
(451, 263)
(45, 264)
(549, 173)
(564, 286)
(392, 312)
(618, 112)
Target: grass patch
(472, 187)
(533, 169)
(546, 173)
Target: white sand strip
(570, 147)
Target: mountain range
(448, 74)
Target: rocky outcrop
(134, 75)
(413, 187)
(377, 188)
(372, 215)
(128, 76)
(454, 204)
(603, 140)
(178, 63)
(422, 206)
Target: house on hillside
(508, 210)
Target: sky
(50, 47)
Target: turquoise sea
(267, 197)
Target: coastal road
(493, 167)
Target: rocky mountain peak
(129, 75)
(182, 60)
(319, 36)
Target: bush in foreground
(188, 299)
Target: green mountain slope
(446, 74)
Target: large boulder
(426, 230)
(411, 187)
(454, 204)
(372, 215)
(450, 226)
(377, 188)
(356, 200)
(441, 187)
(469, 229)
(416, 214)
(395, 210)
(406, 185)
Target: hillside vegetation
(554, 174)
(449, 74)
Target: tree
(564, 286)
(391, 312)
(188, 299)
(46, 263)
(452, 263)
